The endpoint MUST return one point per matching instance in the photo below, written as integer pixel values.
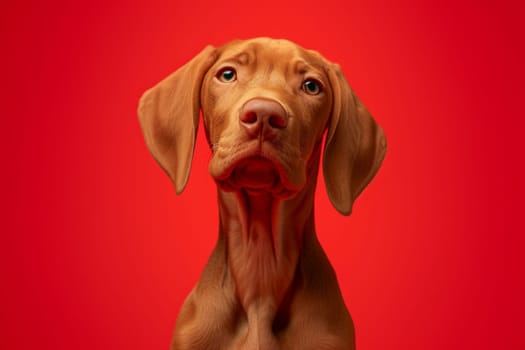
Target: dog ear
(355, 145)
(169, 117)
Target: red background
(97, 251)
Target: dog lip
(264, 161)
(240, 157)
(255, 173)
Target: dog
(266, 106)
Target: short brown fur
(268, 284)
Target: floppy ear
(355, 145)
(169, 117)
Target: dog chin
(256, 175)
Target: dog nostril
(249, 117)
(263, 117)
(276, 121)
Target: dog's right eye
(227, 75)
(312, 87)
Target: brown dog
(266, 105)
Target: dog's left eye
(312, 87)
(227, 75)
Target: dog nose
(260, 116)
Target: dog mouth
(256, 174)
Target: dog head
(266, 105)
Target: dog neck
(263, 236)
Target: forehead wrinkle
(240, 57)
(302, 67)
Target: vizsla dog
(266, 105)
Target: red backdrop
(97, 251)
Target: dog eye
(227, 75)
(312, 87)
